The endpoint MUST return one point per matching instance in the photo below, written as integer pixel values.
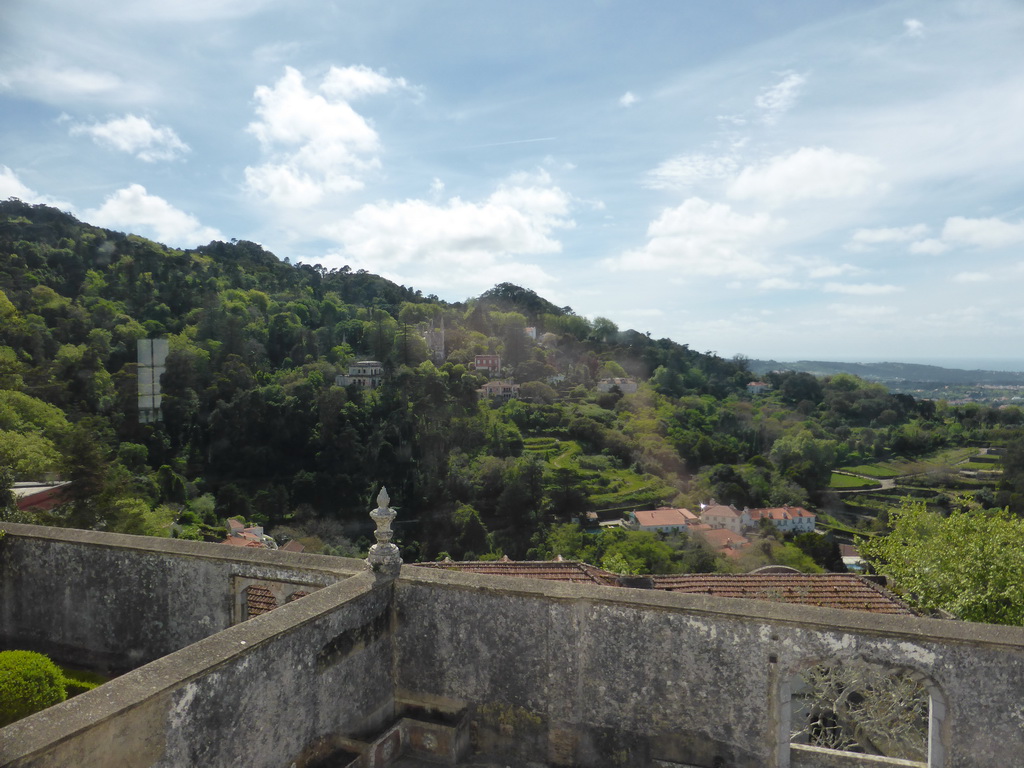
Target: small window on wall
(863, 709)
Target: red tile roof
(720, 510)
(664, 516)
(826, 590)
(552, 570)
(727, 542)
(259, 600)
(779, 513)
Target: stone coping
(340, 566)
(911, 628)
(160, 678)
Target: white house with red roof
(786, 519)
(662, 519)
(725, 516)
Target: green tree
(970, 563)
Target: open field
(849, 482)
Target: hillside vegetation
(254, 425)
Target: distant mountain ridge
(886, 373)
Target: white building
(722, 516)
(365, 373)
(786, 519)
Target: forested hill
(254, 425)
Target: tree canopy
(970, 563)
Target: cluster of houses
(252, 536)
(720, 525)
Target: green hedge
(29, 682)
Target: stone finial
(384, 557)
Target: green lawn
(847, 482)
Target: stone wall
(280, 689)
(550, 672)
(114, 602)
(578, 674)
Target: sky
(787, 179)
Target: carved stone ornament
(384, 556)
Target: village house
(626, 386)
(724, 541)
(499, 389)
(758, 387)
(785, 519)
(725, 516)
(366, 374)
(489, 364)
(253, 537)
(39, 496)
(662, 520)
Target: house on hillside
(785, 519)
(489, 364)
(499, 389)
(253, 537)
(40, 496)
(724, 541)
(758, 387)
(626, 386)
(662, 520)
(366, 374)
(725, 516)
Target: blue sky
(798, 179)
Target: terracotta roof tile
(664, 516)
(829, 590)
(552, 570)
(259, 600)
(826, 590)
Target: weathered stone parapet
(384, 558)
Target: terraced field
(607, 486)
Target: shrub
(29, 682)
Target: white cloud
(185, 10)
(12, 186)
(778, 284)
(930, 247)
(808, 173)
(132, 209)
(822, 271)
(959, 231)
(913, 28)
(861, 289)
(628, 99)
(350, 83)
(460, 242)
(860, 311)
(60, 84)
(776, 100)
(972, 277)
(863, 239)
(702, 238)
(136, 136)
(315, 142)
(983, 233)
(687, 170)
